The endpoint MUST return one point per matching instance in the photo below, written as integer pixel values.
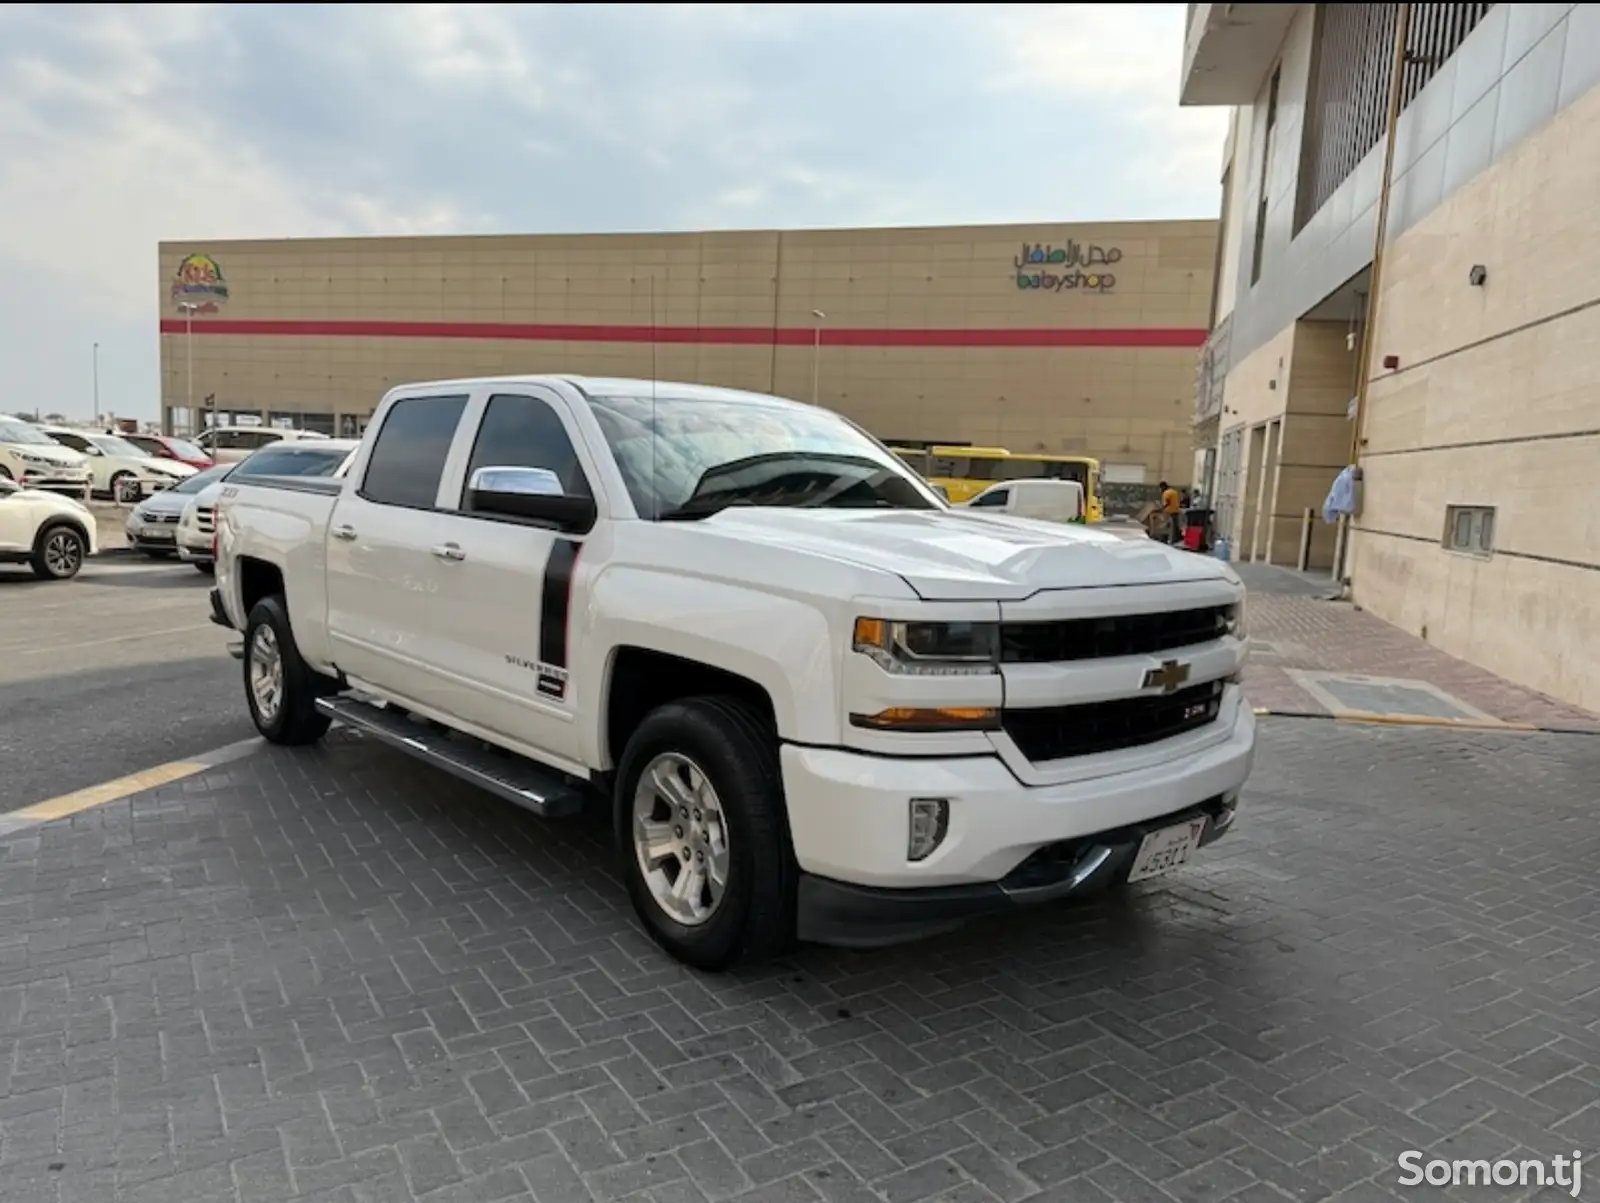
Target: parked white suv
(50, 533)
(817, 699)
(36, 461)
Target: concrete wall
(927, 336)
(1519, 67)
(1496, 402)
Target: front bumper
(54, 480)
(194, 548)
(151, 536)
(849, 817)
(852, 916)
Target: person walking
(1171, 507)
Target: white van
(1047, 500)
(230, 444)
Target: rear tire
(724, 755)
(58, 552)
(281, 691)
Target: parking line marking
(65, 806)
(40, 651)
(1423, 720)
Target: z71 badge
(552, 681)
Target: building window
(1470, 529)
(1347, 102)
(1266, 177)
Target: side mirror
(534, 494)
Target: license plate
(1162, 851)
(159, 536)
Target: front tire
(281, 690)
(58, 552)
(702, 834)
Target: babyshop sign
(1072, 267)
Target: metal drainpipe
(1380, 236)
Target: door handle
(344, 532)
(449, 551)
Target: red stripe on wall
(728, 335)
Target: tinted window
(76, 442)
(408, 458)
(997, 498)
(525, 432)
(293, 460)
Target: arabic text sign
(1078, 267)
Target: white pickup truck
(819, 701)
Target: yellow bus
(964, 472)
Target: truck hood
(948, 555)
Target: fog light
(930, 820)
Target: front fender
(780, 643)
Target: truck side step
(530, 786)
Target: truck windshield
(690, 457)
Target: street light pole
(96, 359)
(816, 354)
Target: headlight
(940, 649)
(1238, 625)
(28, 457)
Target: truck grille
(1112, 635)
(204, 518)
(1057, 732)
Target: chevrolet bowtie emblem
(1168, 677)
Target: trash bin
(1197, 528)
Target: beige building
(1478, 519)
(1061, 338)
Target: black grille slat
(1111, 635)
(1056, 732)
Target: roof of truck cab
(603, 386)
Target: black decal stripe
(555, 607)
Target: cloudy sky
(121, 126)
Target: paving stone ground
(1293, 626)
(339, 976)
